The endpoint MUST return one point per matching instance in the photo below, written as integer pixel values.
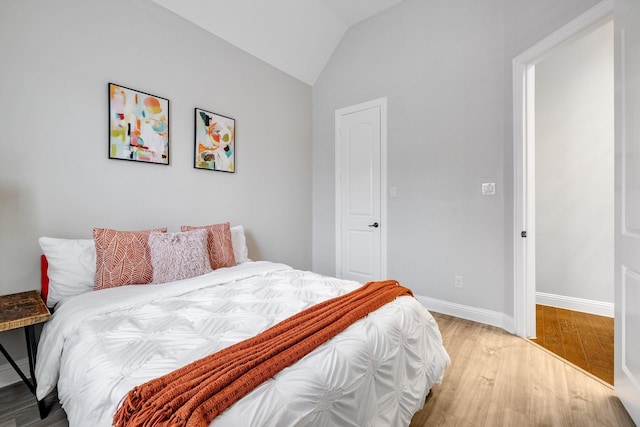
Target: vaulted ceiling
(295, 36)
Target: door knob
(374, 225)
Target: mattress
(99, 345)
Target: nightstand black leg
(32, 349)
(16, 368)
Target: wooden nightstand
(24, 309)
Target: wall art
(138, 126)
(215, 147)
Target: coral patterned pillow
(218, 243)
(122, 257)
(177, 256)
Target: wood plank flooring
(586, 340)
(498, 379)
(495, 379)
(18, 408)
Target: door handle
(374, 225)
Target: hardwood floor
(18, 408)
(586, 340)
(498, 379)
(495, 379)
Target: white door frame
(382, 104)
(524, 159)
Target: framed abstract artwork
(215, 146)
(138, 126)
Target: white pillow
(239, 243)
(72, 267)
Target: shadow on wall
(252, 246)
(16, 222)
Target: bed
(99, 345)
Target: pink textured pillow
(122, 257)
(177, 256)
(219, 244)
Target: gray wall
(574, 169)
(55, 178)
(445, 67)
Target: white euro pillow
(72, 267)
(239, 243)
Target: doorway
(524, 67)
(569, 210)
(574, 181)
(360, 145)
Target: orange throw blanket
(195, 394)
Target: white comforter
(99, 345)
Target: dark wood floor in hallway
(586, 340)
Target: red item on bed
(195, 394)
(44, 278)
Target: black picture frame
(138, 126)
(214, 145)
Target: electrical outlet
(457, 282)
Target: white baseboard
(480, 315)
(576, 304)
(8, 376)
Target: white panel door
(359, 189)
(627, 245)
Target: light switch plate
(489, 189)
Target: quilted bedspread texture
(99, 345)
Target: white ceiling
(295, 36)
